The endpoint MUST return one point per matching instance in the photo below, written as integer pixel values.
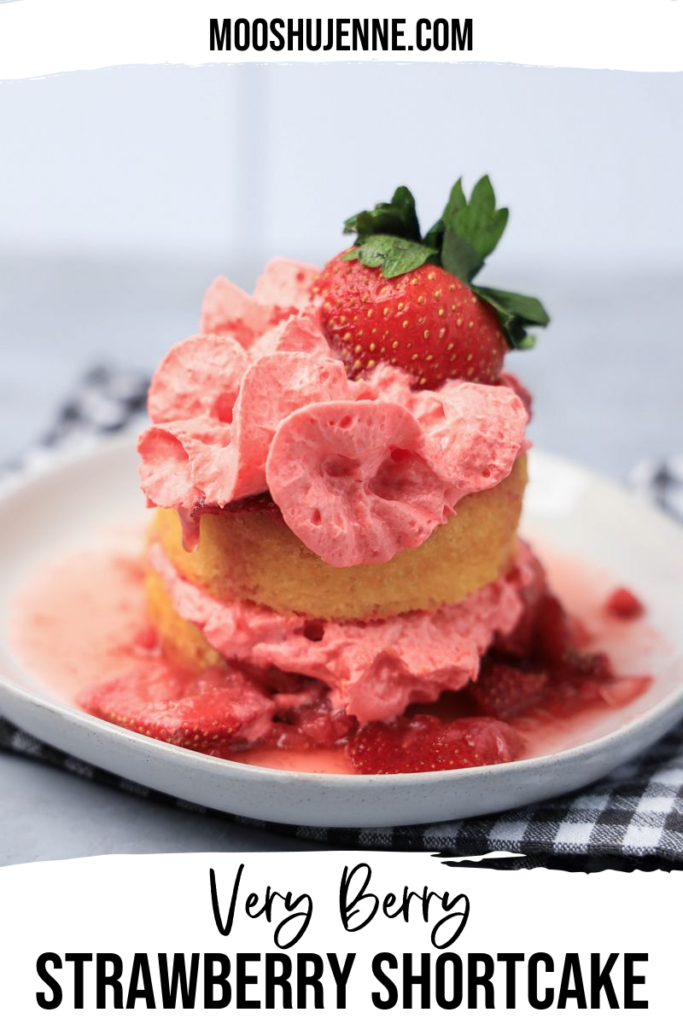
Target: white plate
(567, 507)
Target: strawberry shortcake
(338, 464)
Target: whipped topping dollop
(360, 470)
(374, 669)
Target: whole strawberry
(426, 321)
(402, 299)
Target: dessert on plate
(338, 463)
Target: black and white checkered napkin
(632, 818)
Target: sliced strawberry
(504, 691)
(522, 641)
(577, 680)
(554, 635)
(590, 664)
(205, 713)
(318, 726)
(256, 503)
(322, 724)
(623, 604)
(426, 744)
(305, 717)
(545, 662)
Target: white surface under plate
(567, 509)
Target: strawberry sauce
(80, 629)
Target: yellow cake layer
(254, 556)
(180, 640)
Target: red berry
(320, 725)
(254, 503)
(204, 713)
(553, 631)
(424, 743)
(504, 691)
(522, 641)
(426, 322)
(305, 717)
(623, 604)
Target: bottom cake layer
(374, 669)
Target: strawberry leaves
(516, 313)
(395, 218)
(388, 237)
(394, 255)
(472, 228)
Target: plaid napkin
(631, 819)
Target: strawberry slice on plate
(208, 713)
(504, 691)
(424, 743)
(400, 298)
(306, 718)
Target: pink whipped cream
(374, 669)
(359, 469)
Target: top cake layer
(359, 469)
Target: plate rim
(83, 720)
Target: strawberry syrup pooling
(81, 628)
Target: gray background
(124, 192)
